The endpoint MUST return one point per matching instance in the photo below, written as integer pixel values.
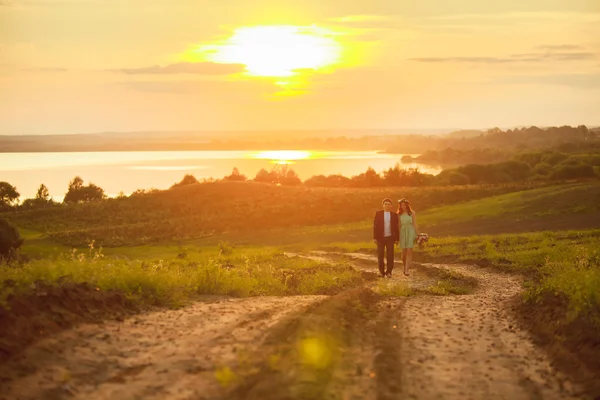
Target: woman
(408, 232)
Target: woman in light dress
(408, 232)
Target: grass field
(563, 264)
(165, 278)
(179, 253)
(553, 208)
(205, 210)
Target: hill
(201, 210)
(573, 206)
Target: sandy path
(460, 347)
(469, 347)
(420, 348)
(171, 354)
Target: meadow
(171, 247)
(222, 208)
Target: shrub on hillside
(516, 170)
(236, 176)
(542, 169)
(573, 171)
(335, 181)
(10, 241)
(554, 158)
(187, 180)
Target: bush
(542, 169)
(236, 176)
(187, 180)
(554, 158)
(10, 241)
(577, 279)
(334, 181)
(573, 171)
(517, 170)
(456, 178)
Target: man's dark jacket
(378, 226)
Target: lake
(127, 171)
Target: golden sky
(76, 66)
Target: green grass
(37, 245)
(173, 281)
(202, 211)
(556, 207)
(389, 288)
(564, 264)
(452, 282)
(569, 206)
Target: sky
(79, 66)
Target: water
(127, 171)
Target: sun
(277, 51)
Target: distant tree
(281, 174)
(76, 183)
(584, 132)
(78, 193)
(370, 178)
(8, 195)
(236, 176)
(328, 181)
(42, 193)
(187, 180)
(10, 241)
(263, 176)
(42, 199)
(287, 176)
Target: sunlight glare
(278, 51)
(283, 156)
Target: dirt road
(356, 345)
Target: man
(386, 233)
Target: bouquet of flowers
(422, 238)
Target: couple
(390, 228)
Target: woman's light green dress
(407, 232)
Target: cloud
(207, 87)
(581, 81)
(47, 3)
(513, 58)
(559, 47)
(200, 68)
(44, 69)
(349, 19)
(486, 60)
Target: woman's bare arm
(414, 222)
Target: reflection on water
(125, 172)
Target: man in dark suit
(386, 233)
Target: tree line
(538, 166)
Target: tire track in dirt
(324, 353)
(172, 354)
(462, 347)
